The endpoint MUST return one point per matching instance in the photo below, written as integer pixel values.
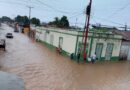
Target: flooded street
(42, 69)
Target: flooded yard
(42, 69)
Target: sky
(105, 12)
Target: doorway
(98, 50)
(60, 42)
(109, 51)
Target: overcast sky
(106, 12)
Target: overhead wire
(40, 2)
(61, 11)
(113, 22)
(16, 3)
(76, 15)
(53, 8)
(119, 10)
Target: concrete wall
(116, 48)
(71, 40)
(125, 50)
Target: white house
(105, 45)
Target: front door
(60, 42)
(109, 51)
(98, 50)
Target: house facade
(125, 46)
(105, 45)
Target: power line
(50, 7)
(119, 10)
(38, 1)
(76, 15)
(109, 21)
(53, 8)
(16, 3)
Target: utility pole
(125, 27)
(76, 23)
(30, 8)
(88, 12)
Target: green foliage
(35, 21)
(22, 20)
(62, 23)
(25, 20)
(6, 19)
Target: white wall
(69, 41)
(116, 48)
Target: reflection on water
(42, 69)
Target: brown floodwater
(42, 69)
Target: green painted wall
(53, 48)
(76, 48)
(64, 53)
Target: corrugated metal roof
(124, 34)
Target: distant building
(106, 45)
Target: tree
(26, 20)
(56, 22)
(6, 19)
(19, 19)
(22, 20)
(62, 23)
(35, 21)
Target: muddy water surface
(43, 69)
